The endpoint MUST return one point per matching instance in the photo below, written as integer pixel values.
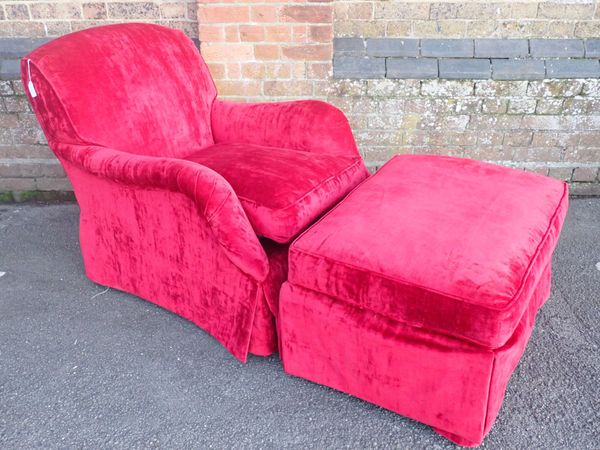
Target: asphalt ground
(81, 367)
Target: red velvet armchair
(186, 201)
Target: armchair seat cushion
(282, 191)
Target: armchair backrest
(138, 88)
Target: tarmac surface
(81, 367)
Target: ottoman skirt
(418, 291)
(455, 386)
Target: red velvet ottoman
(419, 291)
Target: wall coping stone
(12, 50)
(500, 59)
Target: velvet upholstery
(418, 291)
(127, 109)
(137, 88)
(308, 125)
(470, 242)
(282, 191)
(452, 385)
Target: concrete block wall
(514, 82)
(35, 18)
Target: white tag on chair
(30, 83)
(31, 89)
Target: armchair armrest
(212, 194)
(307, 125)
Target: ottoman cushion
(446, 244)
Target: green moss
(36, 196)
(24, 196)
(6, 197)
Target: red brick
(266, 52)
(226, 52)
(223, 14)
(217, 70)
(252, 33)
(589, 139)
(84, 24)
(31, 168)
(308, 52)
(561, 173)
(233, 71)
(320, 71)
(307, 13)
(263, 13)
(6, 88)
(321, 33)
(18, 87)
(300, 33)
(211, 33)
(238, 88)
(188, 27)
(588, 154)
(5, 137)
(253, 70)
(232, 33)
(27, 135)
(587, 189)
(278, 33)
(277, 71)
(299, 70)
(192, 11)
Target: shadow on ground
(86, 369)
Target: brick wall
(260, 50)
(280, 50)
(546, 120)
